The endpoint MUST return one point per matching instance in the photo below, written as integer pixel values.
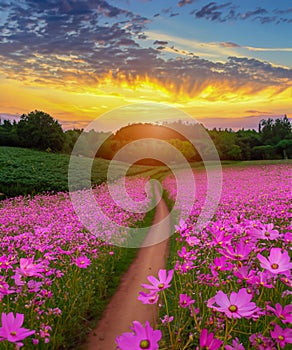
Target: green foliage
(39, 130)
(25, 171)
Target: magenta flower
(267, 232)
(185, 300)
(282, 336)
(283, 313)
(82, 262)
(235, 345)
(11, 329)
(148, 298)
(277, 263)
(239, 305)
(141, 338)
(240, 251)
(207, 341)
(28, 268)
(161, 283)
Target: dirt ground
(124, 308)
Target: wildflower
(235, 345)
(239, 251)
(282, 336)
(262, 278)
(266, 232)
(283, 313)
(277, 263)
(141, 338)
(83, 262)
(11, 329)
(166, 319)
(258, 341)
(239, 305)
(28, 268)
(207, 341)
(161, 283)
(185, 300)
(148, 298)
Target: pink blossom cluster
(44, 253)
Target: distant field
(25, 171)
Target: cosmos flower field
(52, 271)
(227, 286)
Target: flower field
(55, 276)
(228, 285)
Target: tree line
(38, 130)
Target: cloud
(230, 12)
(211, 11)
(160, 42)
(185, 2)
(228, 44)
(258, 11)
(253, 111)
(74, 44)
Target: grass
(25, 171)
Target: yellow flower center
(274, 266)
(145, 344)
(13, 333)
(233, 308)
(160, 286)
(280, 337)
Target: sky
(224, 63)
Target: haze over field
(226, 63)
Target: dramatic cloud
(230, 12)
(76, 43)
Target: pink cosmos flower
(235, 345)
(141, 338)
(239, 305)
(166, 319)
(267, 232)
(240, 251)
(283, 313)
(11, 329)
(277, 263)
(148, 298)
(185, 300)
(4, 289)
(282, 336)
(262, 278)
(28, 268)
(207, 341)
(259, 342)
(83, 262)
(5, 263)
(161, 283)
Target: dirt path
(124, 308)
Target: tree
(39, 130)
(273, 131)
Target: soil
(124, 307)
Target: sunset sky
(226, 63)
